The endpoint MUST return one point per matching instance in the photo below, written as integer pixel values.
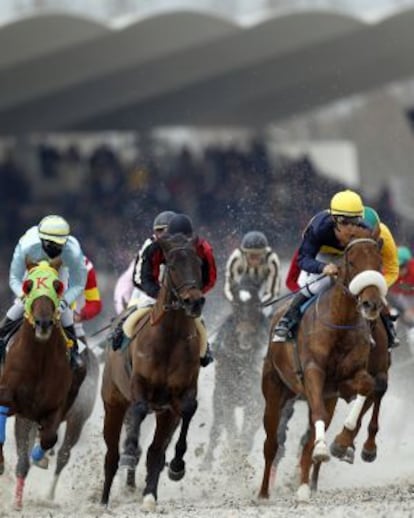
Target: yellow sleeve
(389, 255)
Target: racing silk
(89, 302)
(152, 258)
(137, 268)
(405, 283)
(318, 237)
(123, 289)
(30, 247)
(293, 273)
(389, 253)
(266, 274)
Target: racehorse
(329, 356)
(158, 372)
(37, 383)
(239, 351)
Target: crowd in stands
(110, 201)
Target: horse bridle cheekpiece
(367, 278)
(40, 281)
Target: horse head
(183, 275)
(362, 275)
(42, 290)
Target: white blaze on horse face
(352, 417)
(368, 278)
(244, 295)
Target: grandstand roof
(191, 68)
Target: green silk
(42, 277)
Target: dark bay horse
(240, 346)
(330, 357)
(159, 370)
(37, 384)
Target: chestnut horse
(343, 446)
(37, 383)
(329, 357)
(158, 372)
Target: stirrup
(282, 332)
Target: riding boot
(119, 340)
(7, 326)
(76, 361)
(393, 340)
(207, 358)
(290, 319)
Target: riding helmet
(180, 224)
(254, 241)
(54, 228)
(161, 221)
(347, 203)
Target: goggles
(348, 220)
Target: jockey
(151, 261)
(256, 260)
(401, 294)
(323, 242)
(48, 240)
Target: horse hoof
(337, 450)
(320, 452)
(128, 461)
(349, 456)
(175, 475)
(42, 463)
(149, 503)
(368, 456)
(303, 493)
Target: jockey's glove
(63, 305)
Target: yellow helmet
(54, 228)
(347, 203)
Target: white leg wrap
(319, 431)
(352, 418)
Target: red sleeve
(293, 273)
(205, 252)
(91, 309)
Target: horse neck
(173, 318)
(341, 305)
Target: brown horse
(330, 356)
(37, 383)
(343, 446)
(159, 370)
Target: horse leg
(304, 491)
(74, 426)
(132, 451)
(363, 386)
(1, 459)
(369, 450)
(275, 397)
(22, 432)
(176, 469)
(166, 424)
(286, 415)
(114, 417)
(47, 435)
(216, 428)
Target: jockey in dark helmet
(48, 240)
(255, 259)
(151, 261)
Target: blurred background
(245, 114)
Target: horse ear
(27, 286)
(59, 287)
(56, 263)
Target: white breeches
(305, 278)
(140, 299)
